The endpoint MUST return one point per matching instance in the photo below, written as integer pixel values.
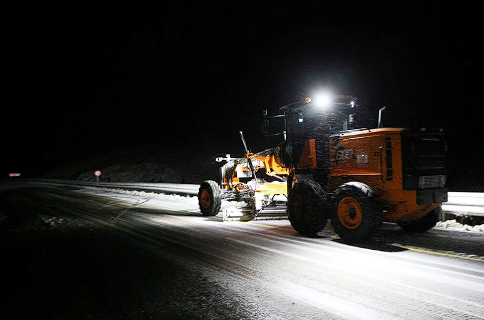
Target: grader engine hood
(423, 165)
(423, 155)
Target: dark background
(86, 78)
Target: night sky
(87, 77)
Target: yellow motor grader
(357, 178)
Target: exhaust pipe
(380, 125)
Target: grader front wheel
(209, 198)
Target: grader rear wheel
(423, 224)
(306, 207)
(355, 213)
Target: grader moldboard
(357, 178)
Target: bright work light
(323, 100)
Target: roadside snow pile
(145, 163)
(145, 194)
(145, 171)
(454, 224)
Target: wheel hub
(205, 199)
(350, 213)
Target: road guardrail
(465, 204)
(458, 204)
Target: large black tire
(423, 224)
(356, 214)
(209, 198)
(306, 207)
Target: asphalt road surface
(74, 253)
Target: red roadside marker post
(97, 173)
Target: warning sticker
(361, 158)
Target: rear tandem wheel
(423, 224)
(355, 213)
(306, 207)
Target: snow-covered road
(396, 276)
(156, 256)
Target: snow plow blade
(271, 216)
(238, 214)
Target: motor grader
(357, 178)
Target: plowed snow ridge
(451, 225)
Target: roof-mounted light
(323, 100)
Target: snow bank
(144, 164)
(186, 198)
(456, 225)
(145, 171)
(449, 224)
